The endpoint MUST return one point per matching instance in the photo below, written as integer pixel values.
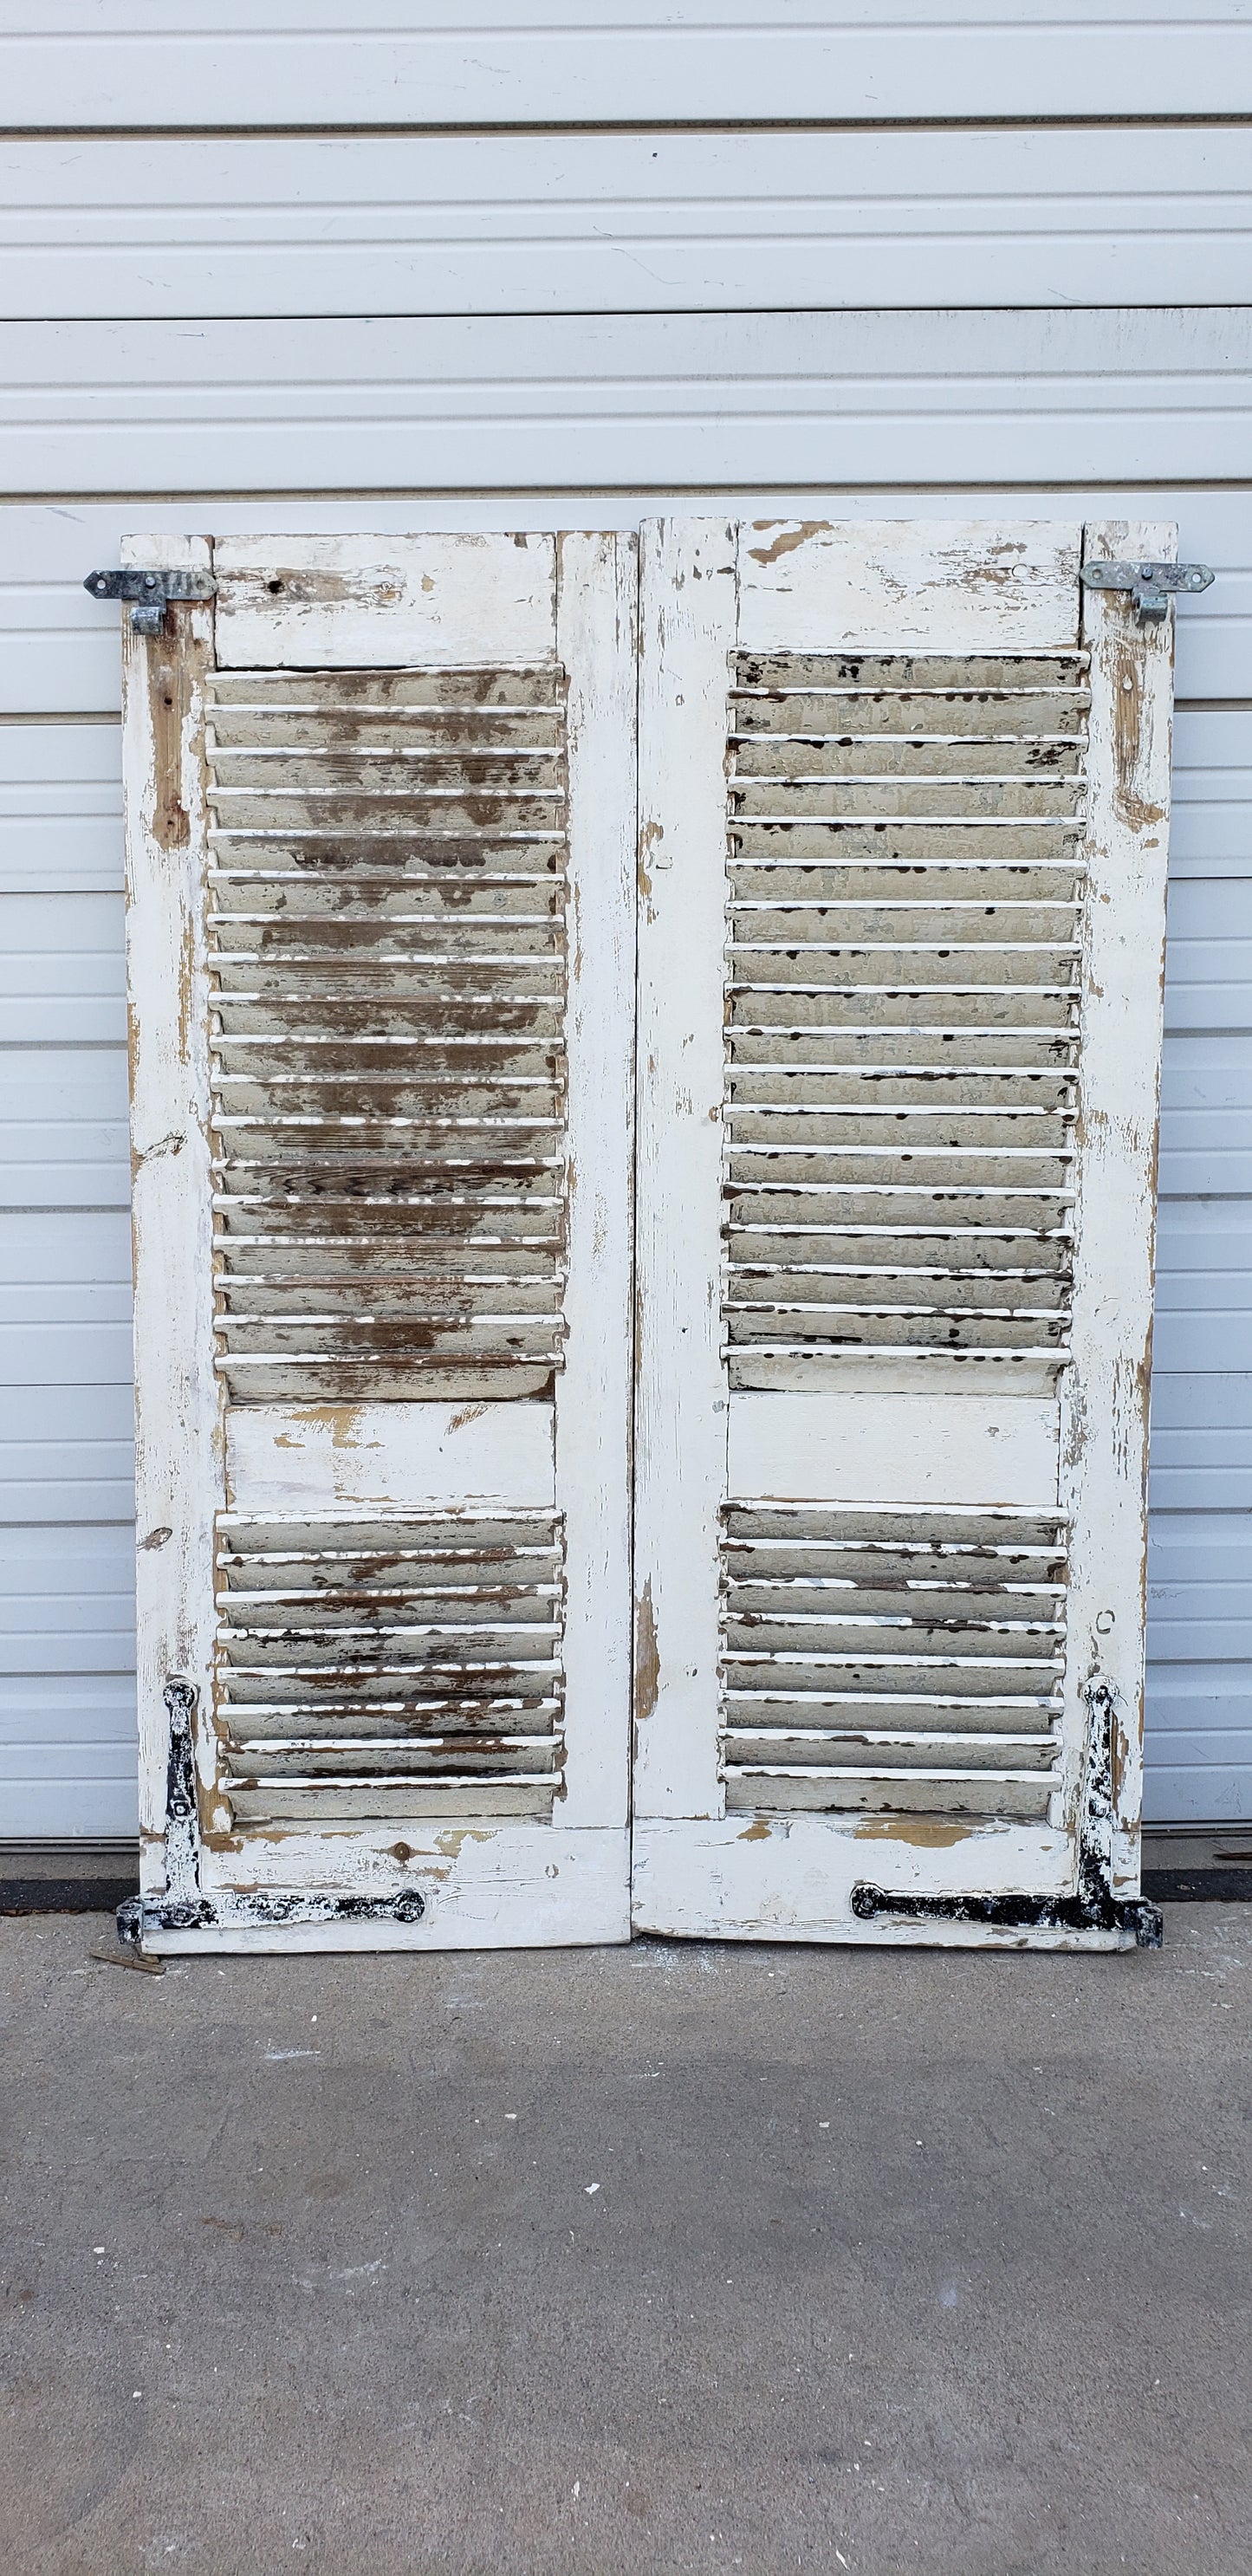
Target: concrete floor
(663, 2259)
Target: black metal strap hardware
(150, 592)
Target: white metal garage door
(405, 330)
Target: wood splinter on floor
(119, 1959)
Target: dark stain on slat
(341, 1011)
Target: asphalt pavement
(671, 2258)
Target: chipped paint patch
(1129, 748)
(467, 1413)
(372, 1726)
(926, 1833)
(168, 696)
(787, 539)
(171, 1144)
(651, 835)
(343, 1421)
(450, 1844)
(401, 1106)
(647, 1657)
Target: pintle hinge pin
(1151, 583)
(150, 592)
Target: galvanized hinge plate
(1151, 583)
(150, 592)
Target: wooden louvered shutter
(380, 806)
(903, 839)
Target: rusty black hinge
(1150, 583)
(150, 592)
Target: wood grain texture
(596, 637)
(179, 1426)
(688, 611)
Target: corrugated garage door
(405, 331)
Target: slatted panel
(407, 1667)
(899, 1661)
(905, 862)
(388, 946)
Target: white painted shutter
(380, 799)
(903, 841)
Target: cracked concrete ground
(669, 2258)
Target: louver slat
(906, 871)
(893, 1661)
(387, 944)
(407, 1667)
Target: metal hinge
(151, 592)
(1151, 583)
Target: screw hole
(273, 585)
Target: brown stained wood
(356, 1013)
(393, 1653)
(172, 673)
(320, 693)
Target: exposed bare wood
(388, 948)
(179, 1447)
(1104, 1428)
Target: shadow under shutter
(904, 807)
(381, 957)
